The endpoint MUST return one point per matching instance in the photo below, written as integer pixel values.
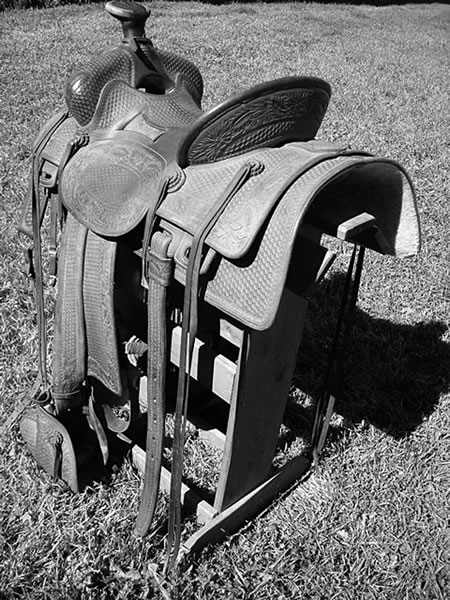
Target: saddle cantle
(171, 214)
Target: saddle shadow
(392, 374)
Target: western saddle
(190, 242)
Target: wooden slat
(352, 227)
(214, 371)
(359, 228)
(231, 333)
(213, 436)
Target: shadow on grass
(393, 374)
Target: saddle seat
(266, 115)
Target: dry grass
(373, 523)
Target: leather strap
(157, 271)
(149, 228)
(38, 276)
(333, 374)
(34, 256)
(96, 420)
(25, 225)
(159, 275)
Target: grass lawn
(373, 523)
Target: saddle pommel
(131, 15)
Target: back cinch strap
(333, 376)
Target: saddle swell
(155, 72)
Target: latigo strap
(159, 275)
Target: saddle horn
(132, 17)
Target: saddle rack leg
(265, 368)
(234, 517)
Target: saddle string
(26, 221)
(80, 139)
(188, 336)
(37, 216)
(38, 275)
(341, 336)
